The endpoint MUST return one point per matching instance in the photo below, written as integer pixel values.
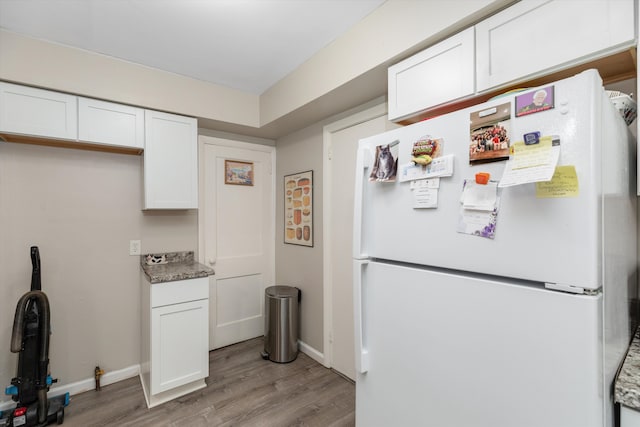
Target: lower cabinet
(175, 338)
(629, 417)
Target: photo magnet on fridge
(535, 101)
(385, 165)
(490, 134)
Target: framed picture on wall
(298, 208)
(238, 173)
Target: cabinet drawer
(168, 293)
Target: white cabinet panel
(540, 36)
(170, 161)
(179, 344)
(30, 111)
(442, 73)
(109, 123)
(629, 417)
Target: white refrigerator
(523, 329)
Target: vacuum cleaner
(30, 338)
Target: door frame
(378, 110)
(226, 141)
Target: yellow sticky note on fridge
(527, 156)
(564, 183)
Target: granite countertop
(627, 387)
(172, 266)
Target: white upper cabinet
(442, 73)
(30, 111)
(108, 123)
(535, 37)
(170, 161)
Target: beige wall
(80, 208)
(302, 266)
(38, 63)
(299, 265)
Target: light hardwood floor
(242, 390)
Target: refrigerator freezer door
(451, 350)
(552, 240)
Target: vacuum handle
(36, 282)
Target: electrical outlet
(134, 247)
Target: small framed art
(238, 173)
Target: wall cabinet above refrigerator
(541, 36)
(442, 73)
(532, 39)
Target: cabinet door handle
(212, 261)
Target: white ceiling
(242, 44)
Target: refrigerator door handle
(363, 155)
(362, 354)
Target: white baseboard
(84, 385)
(311, 352)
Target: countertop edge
(174, 266)
(627, 385)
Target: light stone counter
(627, 387)
(172, 266)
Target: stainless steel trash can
(281, 323)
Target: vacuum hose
(41, 302)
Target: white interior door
(236, 236)
(342, 155)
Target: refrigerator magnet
(482, 178)
(531, 138)
(385, 163)
(490, 134)
(425, 149)
(536, 101)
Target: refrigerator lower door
(455, 350)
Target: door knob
(212, 261)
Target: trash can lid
(281, 291)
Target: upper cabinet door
(30, 111)
(107, 123)
(442, 73)
(533, 37)
(170, 161)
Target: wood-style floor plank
(242, 390)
